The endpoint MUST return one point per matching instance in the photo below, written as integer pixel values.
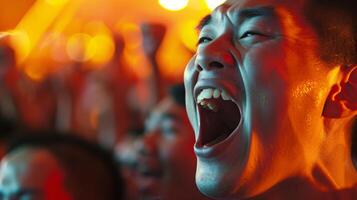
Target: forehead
(238, 11)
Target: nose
(215, 55)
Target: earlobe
(342, 99)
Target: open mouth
(219, 116)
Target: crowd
(82, 134)
(267, 110)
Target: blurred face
(255, 90)
(166, 159)
(31, 174)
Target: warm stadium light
(212, 4)
(77, 47)
(102, 48)
(56, 2)
(188, 34)
(173, 5)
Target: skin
(32, 174)
(268, 62)
(166, 149)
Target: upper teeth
(210, 93)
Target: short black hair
(93, 172)
(335, 22)
(177, 92)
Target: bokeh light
(77, 47)
(173, 5)
(102, 48)
(188, 34)
(56, 2)
(35, 71)
(212, 4)
(22, 43)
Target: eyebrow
(248, 13)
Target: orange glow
(188, 34)
(102, 48)
(35, 72)
(173, 5)
(212, 4)
(96, 28)
(22, 43)
(56, 2)
(132, 54)
(136, 63)
(34, 24)
(77, 47)
(173, 66)
(58, 49)
(131, 33)
(289, 23)
(65, 19)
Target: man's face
(166, 159)
(255, 91)
(31, 174)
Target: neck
(297, 188)
(332, 176)
(335, 168)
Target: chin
(213, 185)
(222, 176)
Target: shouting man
(271, 94)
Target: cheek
(266, 67)
(287, 89)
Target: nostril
(215, 64)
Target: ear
(342, 99)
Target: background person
(166, 163)
(50, 166)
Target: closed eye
(203, 40)
(250, 34)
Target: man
(166, 163)
(58, 167)
(271, 94)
